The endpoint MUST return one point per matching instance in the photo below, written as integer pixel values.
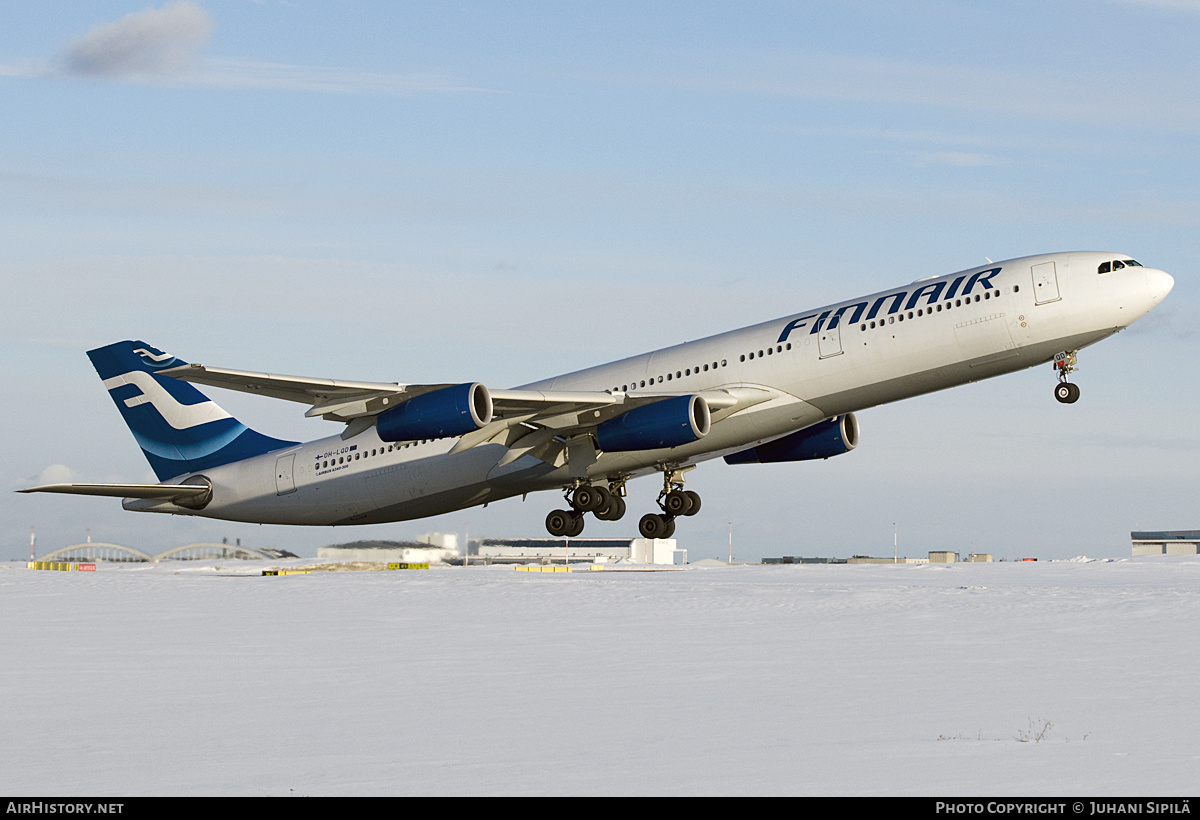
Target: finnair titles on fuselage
(779, 391)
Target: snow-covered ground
(1063, 678)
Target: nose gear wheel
(1065, 364)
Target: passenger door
(1045, 283)
(285, 481)
(829, 341)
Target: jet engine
(828, 438)
(444, 413)
(666, 423)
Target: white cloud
(162, 47)
(957, 159)
(24, 68)
(56, 474)
(146, 43)
(1143, 100)
(231, 73)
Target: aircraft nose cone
(1159, 283)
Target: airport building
(443, 550)
(936, 557)
(1177, 542)
(575, 550)
(866, 559)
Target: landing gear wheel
(614, 512)
(1066, 392)
(558, 522)
(677, 502)
(654, 525)
(695, 497)
(561, 522)
(576, 526)
(590, 499)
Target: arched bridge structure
(201, 552)
(97, 551)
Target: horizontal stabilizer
(167, 491)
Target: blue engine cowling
(442, 413)
(666, 423)
(829, 438)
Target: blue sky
(501, 192)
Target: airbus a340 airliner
(784, 390)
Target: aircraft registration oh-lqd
(784, 390)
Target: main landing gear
(606, 503)
(1064, 391)
(674, 501)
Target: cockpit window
(1117, 264)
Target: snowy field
(1064, 678)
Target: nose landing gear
(1064, 391)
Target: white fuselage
(818, 364)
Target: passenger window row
(363, 454)
(929, 311)
(678, 374)
(770, 351)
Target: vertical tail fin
(178, 428)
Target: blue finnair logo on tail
(179, 416)
(179, 429)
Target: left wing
(515, 415)
(332, 399)
(338, 400)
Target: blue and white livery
(178, 428)
(784, 390)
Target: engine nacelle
(829, 438)
(444, 413)
(666, 423)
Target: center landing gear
(1064, 391)
(607, 504)
(674, 501)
